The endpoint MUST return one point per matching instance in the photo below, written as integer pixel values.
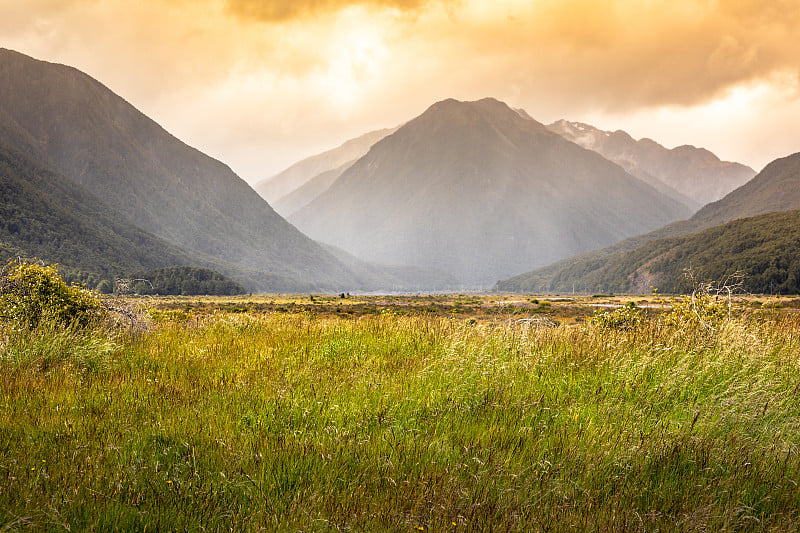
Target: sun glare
(355, 58)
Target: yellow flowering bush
(622, 318)
(31, 293)
(701, 309)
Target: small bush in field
(622, 318)
(709, 305)
(703, 310)
(31, 293)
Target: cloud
(627, 54)
(284, 10)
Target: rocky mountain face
(474, 189)
(692, 175)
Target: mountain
(474, 189)
(278, 186)
(46, 216)
(696, 175)
(774, 189)
(78, 128)
(766, 249)
(303, 195)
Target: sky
(261, 84)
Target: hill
(294, 177)
(474, 189)
(77, 127)
(765, 248)
(695, 174)
(774, 189)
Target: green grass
(290, 422)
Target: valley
(269, 269)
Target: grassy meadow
(217, 418)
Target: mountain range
(460, 196)
(628, 266)
(474, 189)
(692, 175)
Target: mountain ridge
(695, 174)
(277, 187)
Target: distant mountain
(303, 195)
(695, 174)
(75, 126)
(766, 249)
(474, 189)
(297, 175)
(774, 189)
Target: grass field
(232, 414)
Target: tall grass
(289, 422)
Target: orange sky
(260, 84)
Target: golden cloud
(627, 54)
(284, 10)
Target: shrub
(622, 318)
(701, 309)
(31, 293)
(709, 305)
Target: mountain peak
(475, 189)
(486, 107)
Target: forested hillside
(765, 249)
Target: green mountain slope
(774, 189)
(47, 216)
(765, 248)
(474, 189)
